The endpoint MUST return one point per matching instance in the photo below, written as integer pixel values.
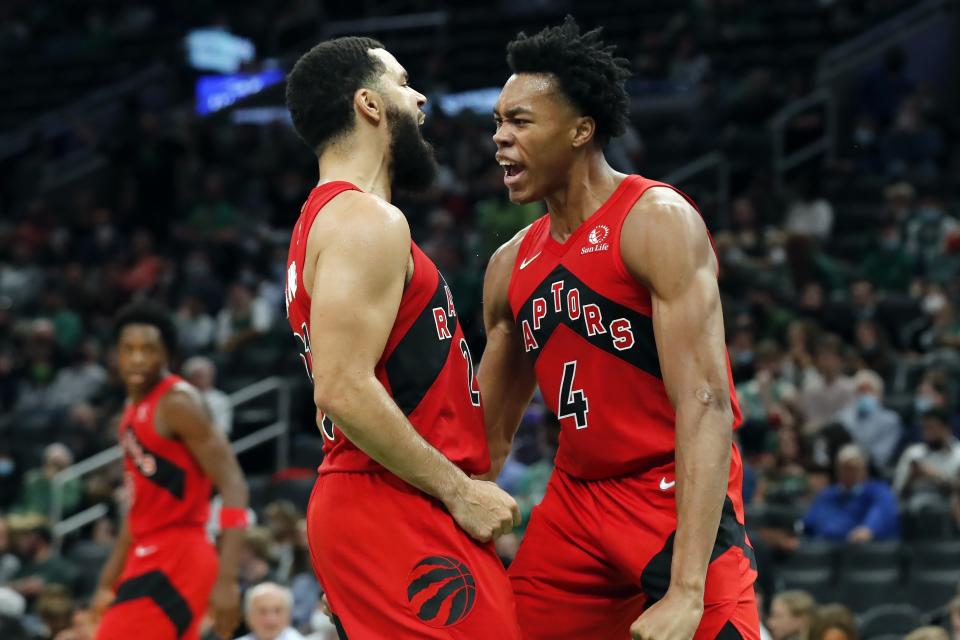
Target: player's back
(426, 365)
(166, 486)
(587, 325)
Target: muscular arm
(182, 413)
(357, 285)
(666, 247)
(506, 377)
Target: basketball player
(163, 573)
(400, 535)
(610, 304)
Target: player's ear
(369, 104)
(584, 129)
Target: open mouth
(512, 171)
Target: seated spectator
(833, 622)
(37, 494)
(928, 632)
(786, 481)
(9, 563)
(243, 320)
(255, 560)
(856, 508)
(912, 145)
(824, 389)
(81, 380)
(953, 610)
(929, 231)
(266, 608)
(55, 607)
(790, 613)
(889, 266)
(42, 566)
(873, 349)
(928, 470)
(202, 373)
(195, 327)
(767, 395)
(875, 428)
(809, 214)
(13, 606)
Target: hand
(860, 534)
(325, 606)
(225, 607)
(484, 510)
(676, 617)
(102, 599)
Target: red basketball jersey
(167, 487)
(426, 365)
(586, 324)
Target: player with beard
(610, 304)
(400, 534)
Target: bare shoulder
(182, 396)
(356, 215)
(503, 259)
(663, 234)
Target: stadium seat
(935, 555)
(870, 556)
(887, 619)
(813, 554)
(296, 490)
(928, 525)
(930, 590)
(816, 582)
(863, 589)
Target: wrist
(453, 491)
(689, 590)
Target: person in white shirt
(202, 373)
(928, 470)
(266, 608)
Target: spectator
(267, 608)
(929, 234)
(786, 481)
(928, 470)
(255, 559)
(810, 214)
(55, 607)
(873, 349)
(833, 622)
(889, 265)
(913, 146)
(953, 610)
(875, 428)
(9, 564)
(769, 393)
(37, 494)
(321, 627)
(855, 509)
(13, 606)
(202, 373)
(80, 381)
(928, 632)
(790, 613)
(195, 327)
(243, 320)
(825, 390)
(42, 566)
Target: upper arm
(357, 286)
(666, 247)
(183, 414)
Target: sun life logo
(597, 239)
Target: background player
(163, 571)
(393, 378)
(610, 303)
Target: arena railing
(713, 161)
(824, 145)
(278, 431)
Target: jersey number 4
(573, 402)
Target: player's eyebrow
(513, 112)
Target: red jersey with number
(166, 486)
(586, 324)
(426, 365)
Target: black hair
(321, 85)
(152, 314)
(589, 74)
(939, 415)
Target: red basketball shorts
(164, 589)
(394, 564)
(597, 553)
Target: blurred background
(145, 152)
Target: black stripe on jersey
(641, 354)
(421, 355)
(157, 586)
(656, 575)
(155, 468)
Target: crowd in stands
(843, 343)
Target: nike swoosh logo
(664, 485)
(523, 265)
(143, 552)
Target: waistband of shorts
(173, 530)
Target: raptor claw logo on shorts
(441, 591)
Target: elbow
(332, 389)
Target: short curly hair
(148, 313)
(321, 85)
(588, 72)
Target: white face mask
(933, 303)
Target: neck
(362, 160)
(590, 182)
(139, 393)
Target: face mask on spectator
(7, 466)
(922, 403)
(930, 214)
(933, 303)
(867, 403)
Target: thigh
(395, 564)
(563, 586)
